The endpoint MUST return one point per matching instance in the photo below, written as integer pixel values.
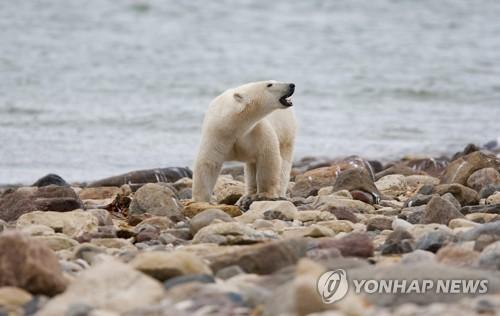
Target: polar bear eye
(269, 85)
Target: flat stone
(258, 210)
(464, 195)
(392, 185)
(206, 217)
(379, 222)
(73, 223)
(458, 255)
(228, 191)
(231, 233)
(194, 208)
(490, 257)
(415, 181)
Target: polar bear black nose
(292, 86)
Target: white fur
(247, 124)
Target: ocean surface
(90, 89)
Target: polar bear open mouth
(285, 100)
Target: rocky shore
(136, 244)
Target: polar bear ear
(238, 97)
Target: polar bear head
(267, 95)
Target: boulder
(459, 170)
(156, 199)
(73, 223)
(228, 191)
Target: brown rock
(144, 176)
(344, 214)
(379, 223)
(156, 199)
(193, 208)
(440, 211)
(458, 255)
(29, 264)
(464, 195)
(356, 179)
(459, 170)
(228, 191)
(99, 193)
(352, 245)
(482, 178)
(206, 217)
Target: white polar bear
(254, 124)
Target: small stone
(356, 180)
(461, 222)
(416, 180)
(489, 190)
(344, 214)
(417, 256)
(29, 264)
(482, 218)
(194, 208)
(492, 209)
(12, 298)
(379, 222)
(434, 240)
(351, 245)
(92, 287)
(392, 185)
(258, 210)
(156, 199)
(331, 202)
(493, 199)
(57, 242)
(160, 222)
(184, 279)
(338, 226)
(418, 200)
(490, 257)
(483, 177)
(364, 197)
(464, 195)
(459, 170)
(440, 211)
(228, 191)
(398, 242)
(231, 233)
(165, 265)
(229, 272)
(458, 255)
(146, 232)
(206, 217)
(99, 193)
(401, 224)
(413, 215)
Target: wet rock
(156, 199)
(459, 170)
(351, 245)
(434, 240)
(165, 265)
(99, 193)
(136, 178)
(92, 287)
(459, 255)
(194, 208)
(261, 258)
(72, 223)
(490, 257)
(493, 199)
(398, 242)
(463, 194)
(356, 180)
(30, 199)
(50, 179)
(259, 209)
(440, 211)
(482, 178)
(379, 222)
(206, 217)
(231, 233)
(228, 191)
(417, 256)
(392, 185)
(29, 264)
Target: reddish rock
(344, 214)
(463, 194)
(440, 211)
(352, 245)
(462, 168)
(29, 264)
(483, 177)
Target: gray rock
(206, 217)
(434, 240)
(440, 211)
(483, 177)
(158, 200)
(417, 256)
(464, 195)
(397, 242)
(490, 257)
(492, 209)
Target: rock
(57, 242)
(392, 185)
(418, 200)
(231, 233)
(459, 170)
(165, 265)
(401, 224)
(184, 279)
(258, 210)
(3, 225)
(314, 216)
(229, 272)
(146, 232)
(351, 245)
(415, 181)
(440, 211)
(434, 240)
(261, 258)
(330, 203)
(103, 217)
(228, 191)
(139, 177)
(356, 179)
(344, 214)
(206, 217)
(490, 209)
(458, 255)
(482, 218)
(398, 242)
(490, 257)
(463, 194)
(379, 222)
(489, 190)
(29, 264)
(398, 168)
(30, 199)
(12, 298)
(461, 222)
(130, 289)
(99, 193)
(493, 199)
(73, 223)
(50, 179)
(492, 228)
(482, 178)
(193, 208)
(451, 198)
(365, 197)
(413, 215)
(156, 199)
(417, 256)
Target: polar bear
(254, 124)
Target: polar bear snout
(284, 99)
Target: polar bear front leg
(268, 174)
(250, 178)
(204, 177)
